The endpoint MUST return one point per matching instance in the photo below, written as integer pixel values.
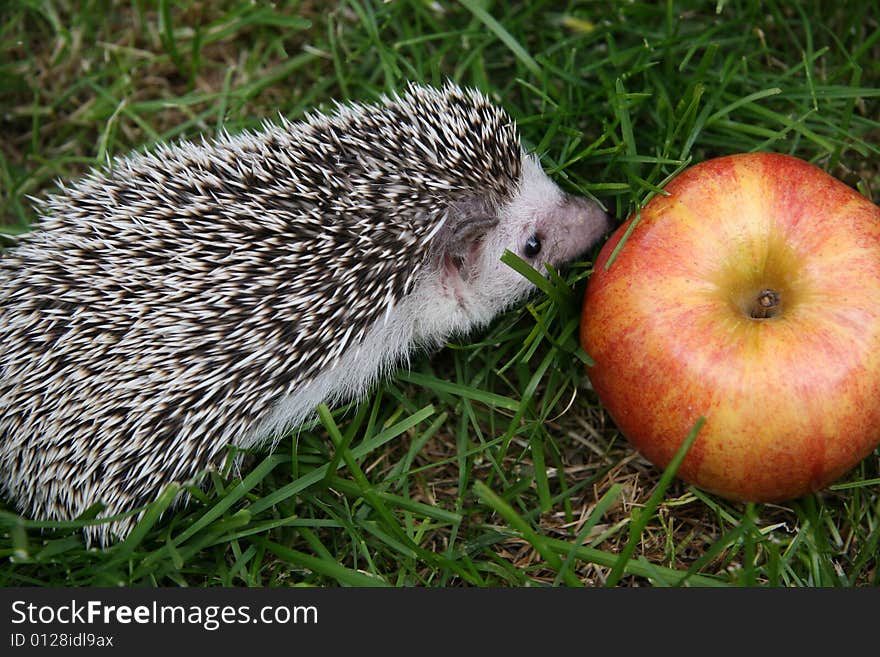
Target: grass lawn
(491, 462)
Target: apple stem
(766, 305)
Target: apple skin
(791, 402)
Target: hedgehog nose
(605, 220)
(609, 222)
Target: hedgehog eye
(532, 247)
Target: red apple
(749, 295)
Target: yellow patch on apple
(749, 295)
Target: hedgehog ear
(463, 242)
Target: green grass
(490, 463)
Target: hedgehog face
(548, 226)
(540, 223)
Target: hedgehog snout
(578, 223)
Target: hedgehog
(207, 295)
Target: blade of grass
(329, 567)
(432, 383)
(361, 450)
(537, 541)
(504, 36)
(639, 523)
(602, 506)
(239, 491)
(149, 519)
(531, 274)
